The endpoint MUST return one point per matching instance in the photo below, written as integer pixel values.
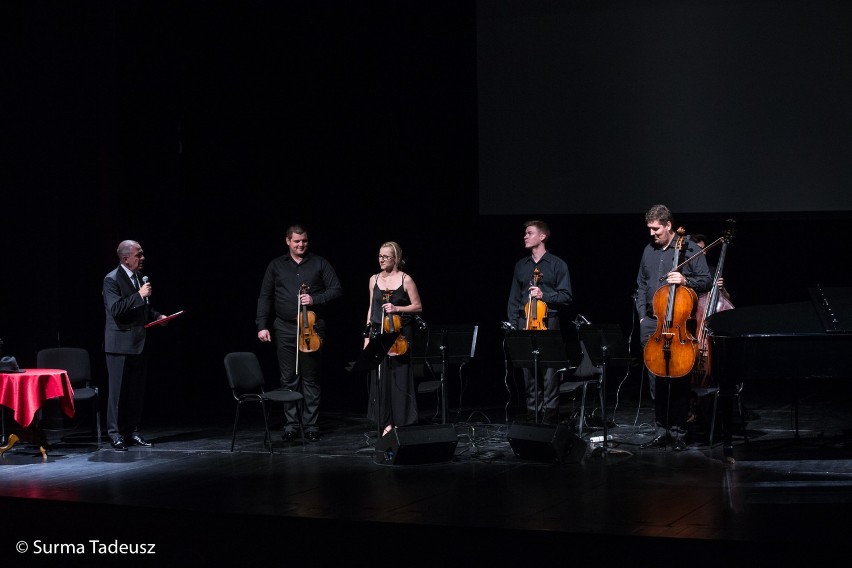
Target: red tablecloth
(25, 392)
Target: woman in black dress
(394, 300)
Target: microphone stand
(443, 349)
(604, 449)
(535, 354)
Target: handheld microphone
(145, 281)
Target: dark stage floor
(783, 499)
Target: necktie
(135, 280)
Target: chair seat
(701, 392)
(85, 393)
(571, 386)
(428, 386)
(283, 395)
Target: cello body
(716, 300)
(701, 376)
(672, 350)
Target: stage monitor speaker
(415, 445)
(554, 444)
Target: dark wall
(710, 104)
(202, 130)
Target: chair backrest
(244, 372)
(586, 369)
(74, 360)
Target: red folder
(166, 319)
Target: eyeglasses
(385, 257)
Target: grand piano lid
(828, 312)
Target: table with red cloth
(25, 393)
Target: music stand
(370, 358)
(449, 344)
(604, 344)
(528, 349)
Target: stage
(336, 499)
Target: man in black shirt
(294, 282)
(539, 276)
(670, 394)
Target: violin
(308, 340)
(535, 310)
(672, 349)
(708, 304)
(392, 323)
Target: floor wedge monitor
(414, 445)
(555, 444)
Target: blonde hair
(397, 252)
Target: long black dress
(392, 384)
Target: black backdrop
(203, 129)
(712, 105)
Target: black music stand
(529, 349)
(370, 358)
(605, 344)
(449, 344)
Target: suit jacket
(126, 314)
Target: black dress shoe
(660, 441)
(289, 435)
(312, 435)
(118, 445)
(138, 440)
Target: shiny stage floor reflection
(337, 499)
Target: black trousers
(671, 395)
(304, 379)
(542, 394)
(127, 377)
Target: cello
(708, 304)
(392, 323)
(672, 349)
(535, 310)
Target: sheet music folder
(596, 336)
(548, 346)
(451, 342)
(374, 352)
(166, 319)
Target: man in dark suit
(126, 302)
